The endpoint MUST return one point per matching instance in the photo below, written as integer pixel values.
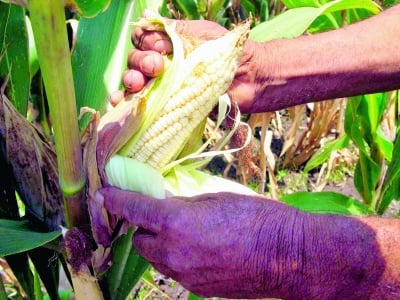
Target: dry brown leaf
(34, 166)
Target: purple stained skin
(250, 247)
(236, 246)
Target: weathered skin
(237, 246)
(358, 59)
(244, 247)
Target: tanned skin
(236, 246)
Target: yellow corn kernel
(205, 75)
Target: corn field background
(311, 152)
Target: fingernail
(116, 97)
(147, 65)
(162, 46)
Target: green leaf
(33, 56)
(100, 55)
(301, 3)
(321, 23)
(326, 203)
(38, 286)
(295, 22)
(388, 3)
(64, 295)
(88, 8)
(192, 296)
(127, 267)
(23, 238)
(264, 10)
(366, 176)
(154, 5)
(14, 54)
(383, 144)
(372, 109)
(324, 152)
(215, 9)
(132, 276)
(391, 185)
(355, 15)
(23, 3)
(362, 124)
(188, 8)
(249, 7)
(353, 126)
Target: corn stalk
(48, 24)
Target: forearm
(335, 256)
(387, 234)
(351, 258)
(358, 59)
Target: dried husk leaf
(33, 164)
(105, 136)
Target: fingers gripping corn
(205, 75)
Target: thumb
(138, 209)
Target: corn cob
(205, 75)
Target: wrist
(299, 255)
(269, 79)
(387, 235)
(341, 258)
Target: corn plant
(371, 123)
(56, 172)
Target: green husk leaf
(121, 170)
(187, 181)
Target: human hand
(236, 246)
(215, 244)
(145, 61)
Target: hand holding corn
(281, 73)
(236, 246)
(243, 246)
(146, 62)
